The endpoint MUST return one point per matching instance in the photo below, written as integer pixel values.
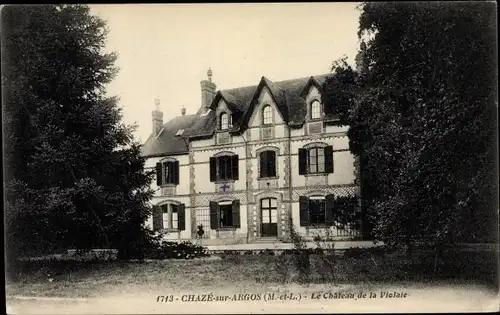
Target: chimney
(157, 116)
(183, 111)
(207, 92)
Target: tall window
(224, 121)
(317, 210)
(269, 210)
(267, 115)
(167, 173)
(226, 215)
(267, 164)
(170, 216)
(316, 160)
(315, 110)
(224, 167)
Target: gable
(265, 98)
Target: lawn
(245, 273)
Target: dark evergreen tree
(74, 174)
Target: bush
(174, 250)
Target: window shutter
(234, 167)
(271, 163)
(302, 161)
(157, 218)
(213, 169)
(214, 218)
(176, 172)
(236, 213)
(330, 208)
(304, 210)
(263, 165)
(158, 174)
(181, 216)
(329, 159)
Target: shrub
(174, 250)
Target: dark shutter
(304, 210)
(302, 161)
(329, 159)
(158, 174)
(176, 172)
(157, 218)
(263, 165)
(234, 167)
(213, 169)
(271, 163)
(330, 204)
(214, 221)
(236, 213)
(181, 216)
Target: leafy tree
(75, 177)
(423, 121)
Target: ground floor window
(317, 210)
(225, 214)
(169, 216)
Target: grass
(245, 273)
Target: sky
(165, 50)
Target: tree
(75, 176)
(423, 121)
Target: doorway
(269, 217)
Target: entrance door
(269, 216)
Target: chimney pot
(157, 117)
(183, 111)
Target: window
(224, 121)
(267, 164)
(315, 110)
(224, 167)
(317, 210)
(267, 115)
(269, 210)
(316, 159)
(167, 173)
(169, 216)
(224, 214)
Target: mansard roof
(289, 96)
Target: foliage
(174, 250)
(301, 254)
(75, 177)
(423, 121)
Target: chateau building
(247, 161)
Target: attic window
(267, 115)
(180, 132)
(315, 110)
(224, 121)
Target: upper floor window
(267, 115)
(167, 173)
(267, 164)
(315, 110)
(224, 167)
(316, 160)
(224, 121)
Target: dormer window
(315, 110)
(224, 121)
(267, 115)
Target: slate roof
(288, 95)
(167, 143)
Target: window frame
(227, 121)
(319, 152)
(312, 111)
(319, 212)
(267, 114)
(227, 209)
(266, 154)
(226, 161)
(168, 216)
